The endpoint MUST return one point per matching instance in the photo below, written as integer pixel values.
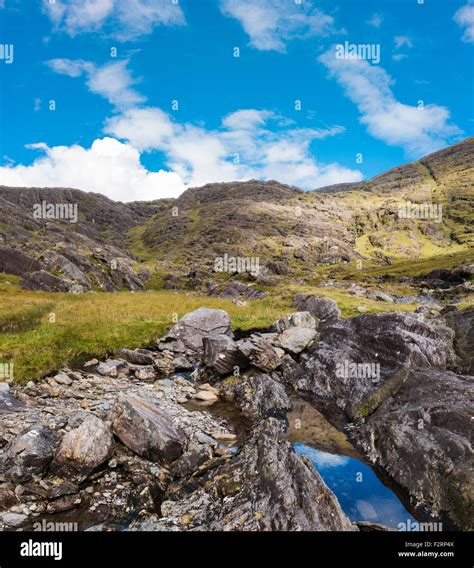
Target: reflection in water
(361, 494)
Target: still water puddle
(362, 495)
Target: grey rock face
(298, 319)
(13, 261)
(194, 326)
(84, 449)
(147, 430)
(319, 306)
(378, 345)
(423, 437)
(267, 487)
(28, 455)
(190, 461)
(462, 322)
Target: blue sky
(139, 99)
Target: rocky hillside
(292, 231)
(84, 249)
(283, 229)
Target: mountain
(291, 232)
(294, 231)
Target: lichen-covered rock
(84, 449)
(147, 430)
(28, 455)
(354, 357)
(423, 438)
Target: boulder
(222, 354)
(147, 430)
(422, 437)
(298, 319)
(259, 396)
(354, 357)
(260, 353)
(319, 306)
(45, 281)
(137, 356)
(194, 326)
(28, 455)
(192, 460)
(83, 450)
(111, 367)
(295, 339)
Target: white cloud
(375, 21)
(108, 166)
(112, 81)
(122, 19)
(194, 156)
(464, 17)
(251, 144)
(418, 131)
(270, 24)
(402, 41)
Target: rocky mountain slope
(285, 230)
(292, 231)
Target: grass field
(41, 332)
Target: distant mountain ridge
(291, 231)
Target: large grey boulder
(45, 281)
(319, 306)
(423, 438)
(355, 357)
(194, 326)
(28, 455)
(83, 450)
(295, 339)
(147, 430)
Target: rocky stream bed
(203, 431)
